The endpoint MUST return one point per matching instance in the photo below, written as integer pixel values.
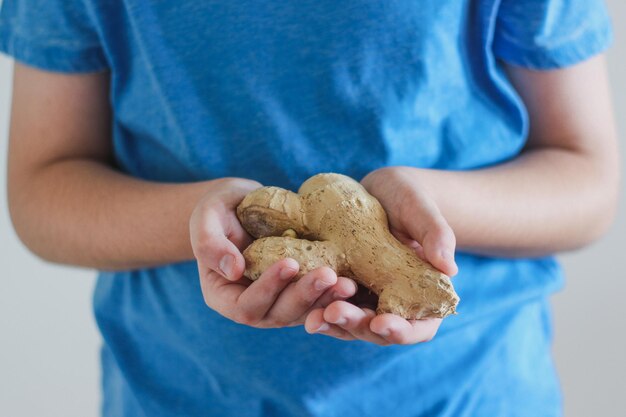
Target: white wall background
(49, 341)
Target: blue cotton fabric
(278, 91)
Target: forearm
(546, 200)
(81, 212)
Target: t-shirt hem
(587, 45)
(52, 57)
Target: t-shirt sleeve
(548, 34)
(54, 35)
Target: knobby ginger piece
(333, 221)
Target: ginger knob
(333, 221)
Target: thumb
(214, 250)
(439, 244)
(426, 225)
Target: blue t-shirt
(278, 91)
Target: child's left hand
(415, 220)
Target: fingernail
(385, 332)
(347, 293)
(446, 254)
(226, 265)
(323, 328)
(320, 285)
(286, 273)
(341, 321)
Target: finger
(315, 323)
(342, 290)
(258, 298)
(213, 248)
(397, 330)
(419, 251)
(426, 225)
(354, 320)
(438, 247)
(298, 297)
(226, 206)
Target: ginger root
(333, 221)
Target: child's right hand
(274, 300)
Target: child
(482, 126)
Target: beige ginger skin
(333, 221)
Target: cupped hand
(416, 221)
(275, 299)
(355, 319)
(413, 215)
(346, 321)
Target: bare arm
(68, 204)
(559, 194)
(562, 192)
